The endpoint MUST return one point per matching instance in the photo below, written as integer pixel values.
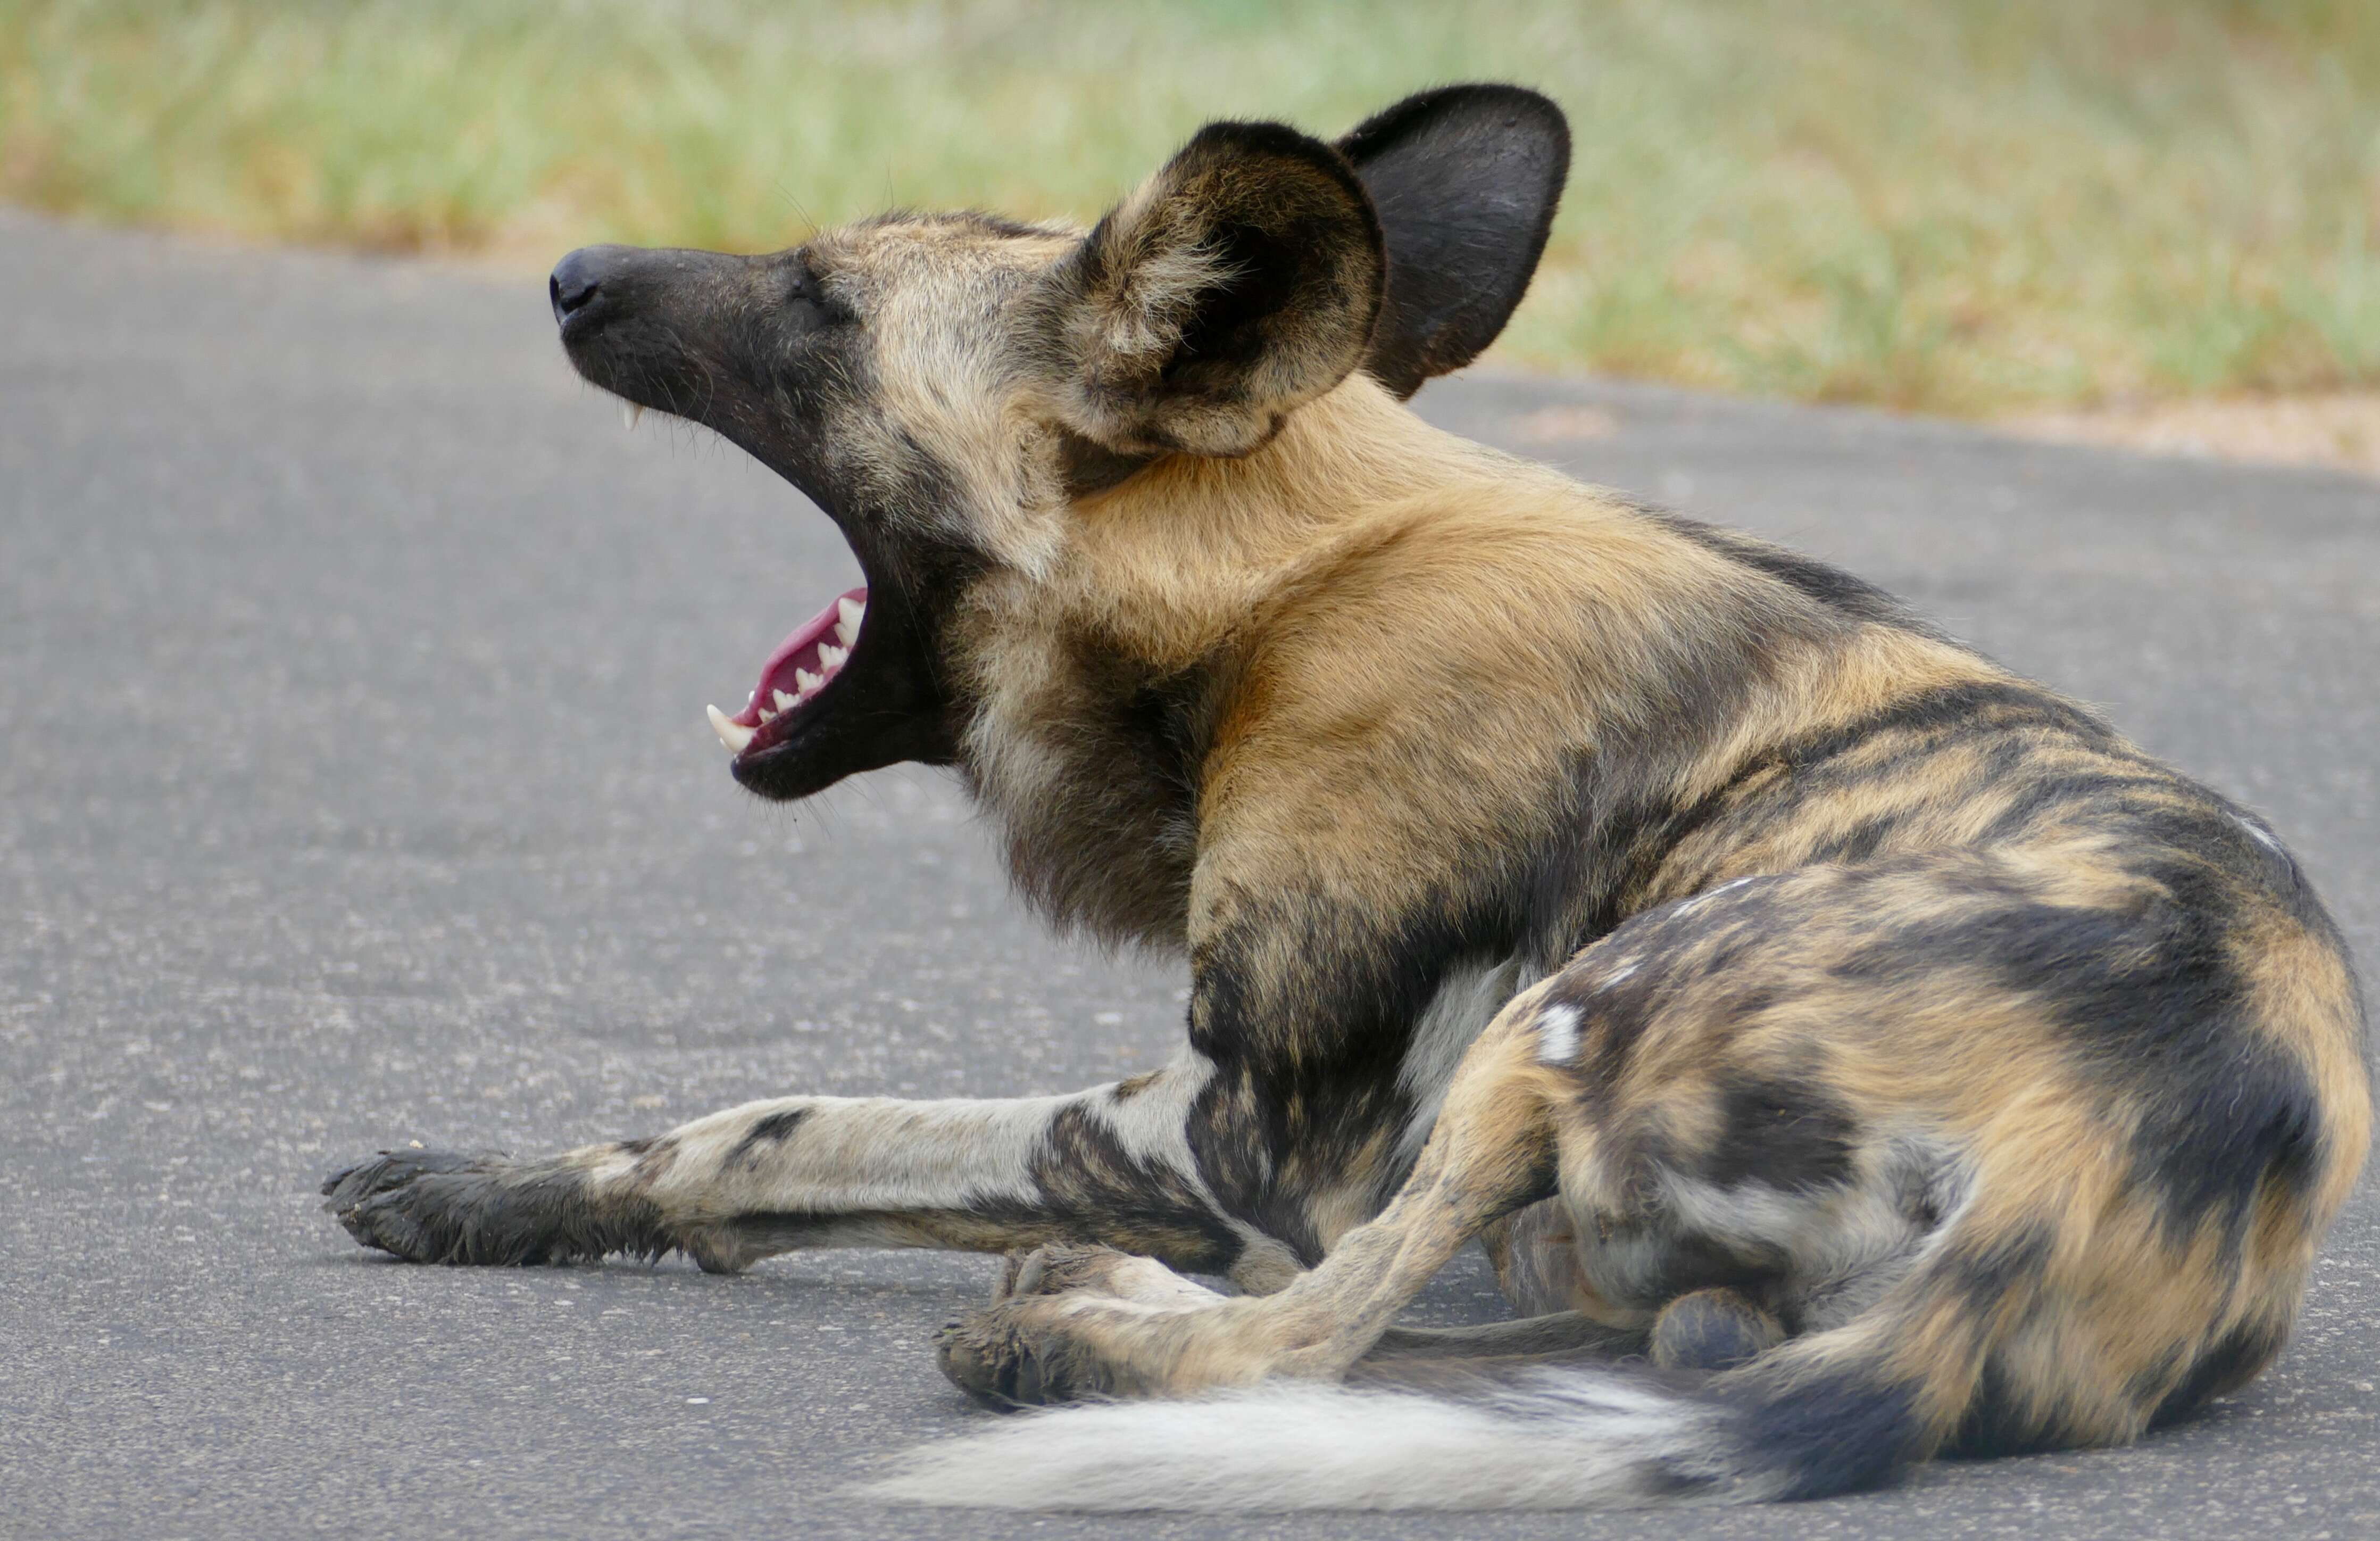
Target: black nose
(576, 280)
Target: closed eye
(805, 288)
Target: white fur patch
(2262, 836)
(1569, 1439)
(878, 1155)
(1557, 1034)
(1466, 1001)
(1688, 907)
(859, 1154)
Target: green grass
(1961, 205)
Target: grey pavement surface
(356, 790)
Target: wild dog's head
(946, 388)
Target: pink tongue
(799, 651)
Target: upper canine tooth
(734, 734)
(629, 413)
(847, 626)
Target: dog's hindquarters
(2043, 1138)
(1867, 1103)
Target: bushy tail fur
(1835, 1412)
(1557, 1440)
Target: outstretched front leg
(1282, 1125)
(1092, 1323)
(1111, 1164)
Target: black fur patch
(1306, 1078)
(1989, 1270)
(1830, 586)
(1100, 1191)
(1859, 843)
(2151, 1007)
(2214, 1135)
(2043, 796)
(2229, 1364)
(1089, 467)
(1629, 851)
(772, 1129)
(1117, 859)
(1786, 1134)
(438, 1207)
(1839, 1430)
(1998, 1422)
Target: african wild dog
(1878, 1044)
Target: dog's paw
(1017, 1354)
(1076, 1321)
(442, 1207)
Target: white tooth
(765, 715)
(847, 626)
(785, 701)
(807, 681)
(734, 734)
(629, 413)
(833, 657)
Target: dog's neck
(1171, 562)
(1094, 685)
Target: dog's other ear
(1240, 281)
(1465, 181)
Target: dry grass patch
(2341, 430)
(1956, 205)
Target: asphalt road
(356, 790)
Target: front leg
(1321, 1038)
(1111, 1164)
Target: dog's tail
(1831, 1412)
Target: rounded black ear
(1240, 281)
(1465, 181)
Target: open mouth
(642, 324)
(797, 675)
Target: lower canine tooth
(734, 734)
(629, 413)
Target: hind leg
(1673, 1086)
(1097, 1270)
(1115, 1328)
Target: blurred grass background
(1971, 206)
